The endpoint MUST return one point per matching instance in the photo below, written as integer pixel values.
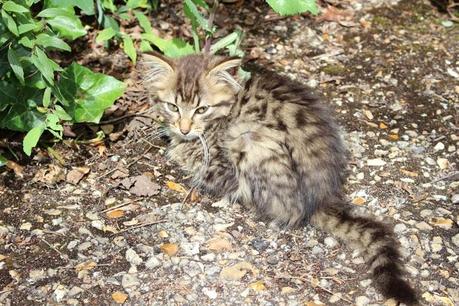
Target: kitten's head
(194, 90)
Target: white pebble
(362, 301)
(439, 147)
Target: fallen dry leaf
(75, 175)
(119, 297)
(383, 126)
(170, 249)
(141, 185)
(393, 137)
(257, 286)
(15, 167)
(114, 214)
(87, 265)
(409, 173)
(442, 222)
(237, 271)
(358, 201)
(176, 187)
(50, 175)
(312, 303)
(219, 245)
(331, 13)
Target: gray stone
(129, 281)
(362, 301)
(152, 262)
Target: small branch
(54, 248)
(120, 205)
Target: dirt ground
(102, 221)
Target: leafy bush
(38, 95)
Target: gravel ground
(101, 224)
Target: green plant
(292, 7)
(36, 93)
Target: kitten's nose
(185, 126)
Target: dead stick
(120, 205)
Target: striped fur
(271, 145)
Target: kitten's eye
(202, 109)
(172, 107)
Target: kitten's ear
(226, 71)
(157, 69)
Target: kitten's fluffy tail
(378, 245)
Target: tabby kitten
(270, 144)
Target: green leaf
(292, 7)
(90, 93)
(24, 28)
(48, 41)
(11, 6)
(16, 65)
(105, 35)
(110, 22)
(64, 22)
(192, 12)
(47, 97)
(132, 4)
(10, 23)
(201, 3)
(145, 46)
(108, 4)
(3, 161)
(26, 42)
(129, 49)
(86, 6)
(144, 22)
(61, 113)
(20, 117)
(31, 139)
(46, 66)
(224, 42)
(177, 48)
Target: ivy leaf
(224, 42)
(45, 65)
(170, 47)
(16, 65)
(105, 35)
(47, 41)
(89, 93)
(293, 7)
(129, 49)
(31, 139)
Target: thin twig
(120, 205)
(139, 226)
(54, 248)
(446, 177)
(188, 194)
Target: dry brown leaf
(219, 245)
(50, 175)
(393, 137)
(237, 271)
(75, 175)
(358, 201)
(87, 265)
(409, 173)
(170, 249)
(102, 149)
(442, 222)
(331, 13)
(257, 286)
(383, 126)
(176, 187)
(119, 297)
(114, 214)
(18, 169)
(312, 303)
